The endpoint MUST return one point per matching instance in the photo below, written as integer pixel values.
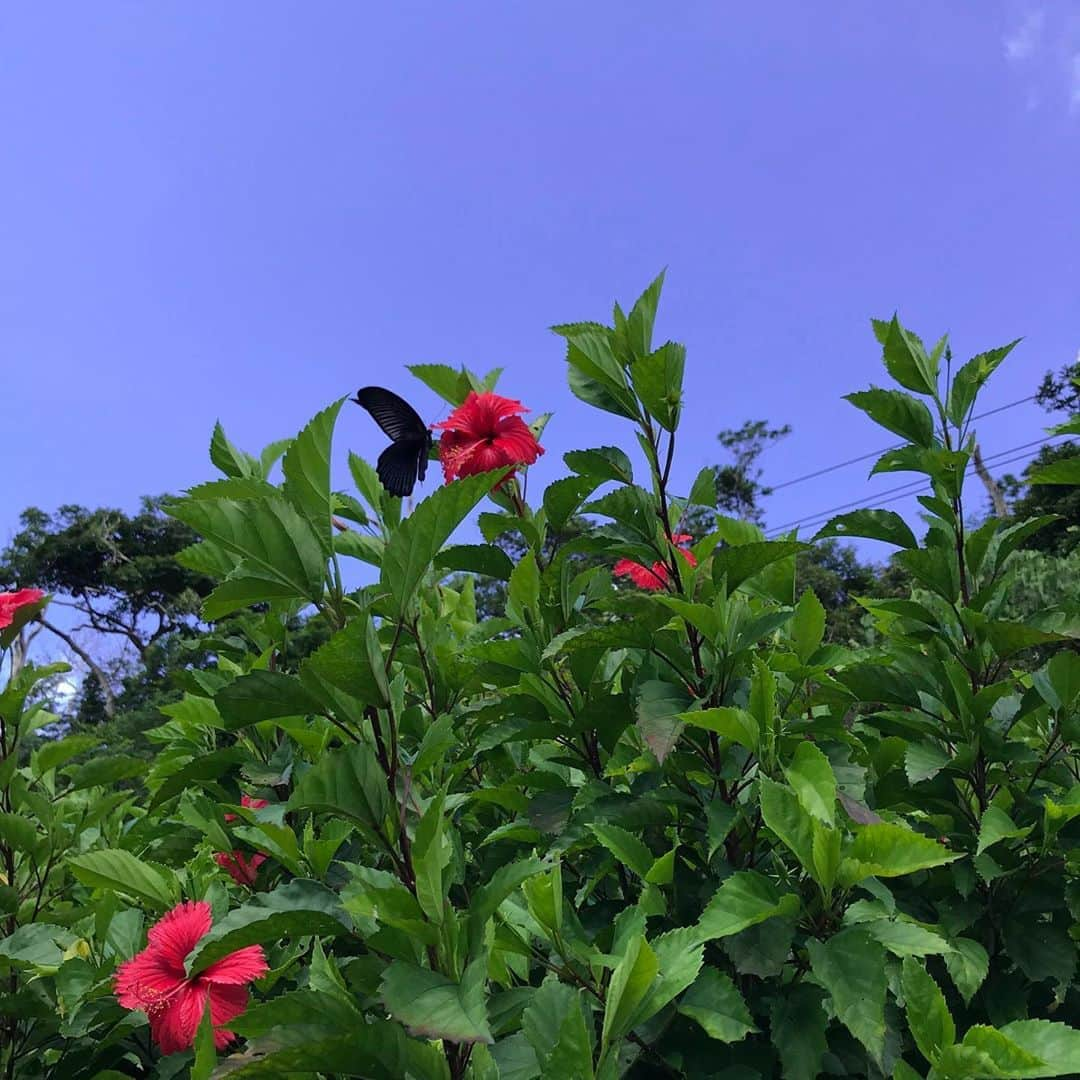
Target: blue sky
(246, 210)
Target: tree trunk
(997, 499)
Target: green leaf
(851, 967)
(243, 590)
(347, 783)
(52, 755)
(928, 1016)
(797, 1026)
(204, 767)
(745, 899)
(969, 380)
(737, 564)
(231, 461)
(449, 383)
(808, 626)
(906, 360)
(630, 982)
(1066, 471)
(728, 722)
(997, 825)
(485, 901)
(122, 872)
(432, 1006)
(486, 559)
(906, 938)
(639, 324)
(99, 771)
(715, 1003)
(274, 540)
(562, 498)
(897, 412)
(37, 944)
(601, 463)
(523, 592)
(264, 695)
(1006, 1057)
(555, 1027)
(657, 380)
(307, 472)
(343, 663)
(432, 850)
(17, 833)
(301, 908)
(871, 524)
(415, 544)
(1057, 1045)
(659, 707)
(205, 1054)
(270, 454)
(811, 776)
(627, 848)
(1059, 681)
(783, 813)
(924, 760)
(631, 507)
(888, 850)
(703, 493)
(968, 965)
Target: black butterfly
(405, 459)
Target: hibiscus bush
(643, 823)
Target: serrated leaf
(347, 783)
(659, 707)
(811, 777)
(897, 412)
(630, 982)
(889, 850)
(657, 379)
(416, 542)
(738, 564)
(851, 967)
(100, 771)
(906, 360)
(745, 899)
(969, 380)
(797, 1026)
(928, 1016)
(923, 761)
(1066, 471)
(808, 626)
(451, 384)
(787, 818)
(51, 755)
(728, 722)
(996, 825)
(307, 472)
(715, 1003)
(562, 498)
(434, 1007)
(300, 908)
(872, 525)
(122, 872)
(968, 965)
(1056, 1045)
(263, 695)
(602, 463)
(627, 848)
(231, 461)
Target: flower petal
(175, 1025)
(180, 930)
(238, 968)
(226, 1003)
(145, 978)
(642, 576)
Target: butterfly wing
(400, 464)
(398, 419)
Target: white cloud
(1022, 43)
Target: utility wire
(885, 449)
(904, 491)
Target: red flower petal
(226, 1003)
(10, 602)
(175, 1025)
(243, 966)
(484, 433)
(480, 412)
(239, 868)
(642, 576)
(146, 978)
(179, 931)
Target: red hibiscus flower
(250, 803)
(485, 432)
(240, 869)
(155, 980)
(655, 578)
(10, 602)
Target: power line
(883, 450)
(904, 491)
